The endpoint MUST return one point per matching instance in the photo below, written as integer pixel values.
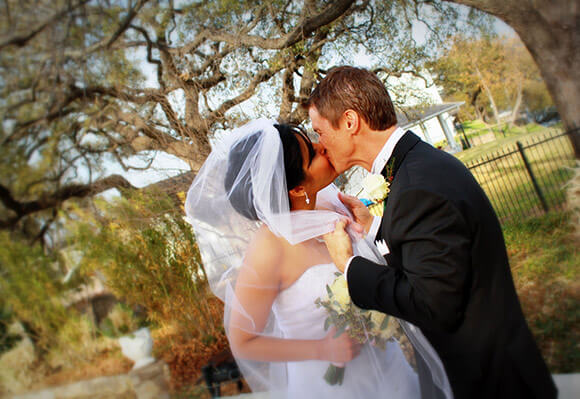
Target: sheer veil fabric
(224, 236)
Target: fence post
(531, 173)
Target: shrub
(31, 286)
(16, 367)
(77, 343)
(120, 321)
(149, 257)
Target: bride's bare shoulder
(266, 248)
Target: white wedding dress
(300, 318)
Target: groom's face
(336, 140)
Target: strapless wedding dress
(374, 373)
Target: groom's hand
(339, 245)
(360, 212)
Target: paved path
(568, 388)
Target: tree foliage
(31, 285)
(490, 73)
(551, 33)
(91, 83)
(148, 256)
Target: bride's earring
(307, 199)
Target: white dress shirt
(378, 165)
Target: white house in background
(424, 112)
(433, 123)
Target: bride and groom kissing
(274, 233)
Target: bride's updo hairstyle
(238, 183)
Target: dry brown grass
(105, 364)
(17, 368)
(186, 358)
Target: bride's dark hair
(238, 183)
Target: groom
(448, 270)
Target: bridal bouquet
(361, 325)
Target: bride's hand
(339, 245)
(341, 349)
(360, 212)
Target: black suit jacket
(448, 274)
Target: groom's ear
(351, 121)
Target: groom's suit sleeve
(427, 280)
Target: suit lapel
(405, 144)
(408, 141)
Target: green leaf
(340, 330)
(385, 322)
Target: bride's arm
(257, 286)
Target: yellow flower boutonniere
(377, 189)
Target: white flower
(339, 290)
(376, 187)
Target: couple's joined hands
(338, 242)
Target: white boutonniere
(376, 187)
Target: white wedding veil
(227, 204)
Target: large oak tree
(74, 95)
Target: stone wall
(149, 382)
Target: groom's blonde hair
(347, 87)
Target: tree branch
(260, 77)
(303, 30)
(52, 200)
(126, 22)
(21, 40)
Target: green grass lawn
(502, 174)
(544, 255)
(545, 259)
(517, 133)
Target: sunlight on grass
(504, 177)
(544, 257)
(503, 143)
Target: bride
(259, 207)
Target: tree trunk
(489, 95)
(551, 33)
(516, 107)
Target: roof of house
(174, 185)
(410, 116)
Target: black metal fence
(527, 179)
